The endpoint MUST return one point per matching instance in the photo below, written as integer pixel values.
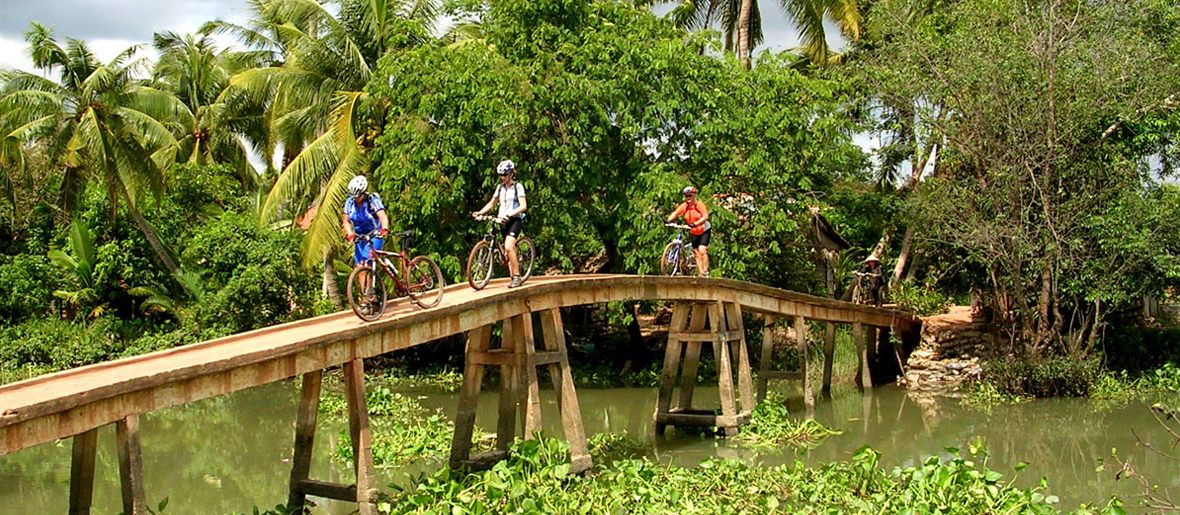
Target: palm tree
(195, 71)
(741, 23)
(315, 94)
(318, 93)
(95, 120)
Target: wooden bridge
(75, 403)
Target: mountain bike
(490, 250)
(860, 290)
(677, 259)
(419, 278)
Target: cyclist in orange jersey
(697, 216)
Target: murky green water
(226, 455)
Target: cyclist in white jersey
(510, 195)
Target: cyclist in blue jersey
(364, 214)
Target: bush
(29, 281)
(1140, 349)
(1042, 377)
(921, 300)
(54, 344)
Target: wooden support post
(305, 423)
(724, 368)
(801, 342)
(82, 472)
(829, 353)
(871, 345)
(563, 385)
(727, 335)
(130, 466)
(733, 317)
(692, 356)
(530, 400)
(767, 355)
(671, 363)
(477, 343)
(362, 444)
(509, 380)
(861, 362)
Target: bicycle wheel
(857, 293)
(526, 256)
(673, 261)
(366, 292)
(479, 264)
(425, 282)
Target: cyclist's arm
(384, 219)
(679, 211)
(486, 207)
(704, 216)
(348, 231)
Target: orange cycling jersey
(692, 214)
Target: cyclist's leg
(700, 250)
(511, 231)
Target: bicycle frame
(674, 258)
(389, 268)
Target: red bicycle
(368, 289)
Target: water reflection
(228, 454)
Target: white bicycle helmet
(505, 167)
(688, 190)
(357, 186)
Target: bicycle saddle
(405, 233)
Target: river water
(229, 454)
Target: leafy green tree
(1042, 181)
(603, 155)
(96, 120)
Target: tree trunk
(743, 29)
(901, 259)
(329, 287)
(153, 239)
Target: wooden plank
(801, 343)
(733, 316)
(680, 314)
(496, 357)
(305, 423)
(567, 397)
(326, 490)
(764, 370)
(477, 343)
(82, 472)
(724, 368)
(723, 336)
(692, 356)
(829, 354)
(703, 419)
(362, 443)
(531, 390)
(130, 466)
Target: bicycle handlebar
(677, 226)
(486, 218)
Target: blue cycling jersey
(364, 217)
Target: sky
(110, 26)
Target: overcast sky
(110, 26)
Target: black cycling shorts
(513, 227)
(702, 240)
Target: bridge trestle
(686, 335)
(364, 491)
(518, 359)
(82, 462)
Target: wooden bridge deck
(74, 401)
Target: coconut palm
(741, 23)
(192, 68)
(96, 122)
(318, 95)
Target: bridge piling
(766, 373)
(829, 355)
(305, 422)
(362, 443)
(518, 359)
(688, 331)
(82, 472)
(130, 466)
